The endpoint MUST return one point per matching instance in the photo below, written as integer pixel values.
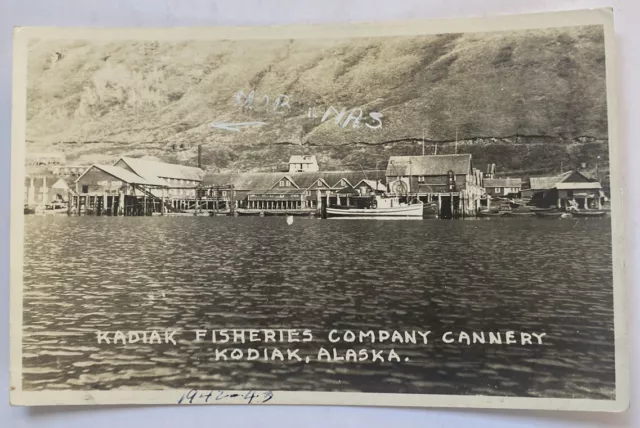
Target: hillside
(524, 100)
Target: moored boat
(377, 207)
(549, 214)
(490, 213)
(248, 212)
(589, 213)
(519, 213)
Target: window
(421, 179)
(85, 188)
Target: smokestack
(199, 156)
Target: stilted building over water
(558, 191)
(134, 186)
(449, 183)
(293, 191)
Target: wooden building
(288, 191)
(303, 163)
(502, 186)
(451, 181)
(561, 190)
(113, 190)
(181, 181)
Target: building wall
(97, 181)
(303, 167)
(502, 191)
(433, 183)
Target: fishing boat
(589, 213)
(377, 207)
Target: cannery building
(449, 182)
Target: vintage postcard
(402, 214)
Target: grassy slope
(102, 100)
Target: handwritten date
(195, 396)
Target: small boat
(52, 209)
(549, 214)
(377, 207)
(589, 213)
(490, 213)
(536, 209)
(301, 212)
(248, 212)
(519, 213)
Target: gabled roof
(303, 159)
(150, 169)
(119, 173)
(285, 177)
(337, 183)
(429, 165)
(578, 186)
(373, 185)
(266, 180)
(547, 182)
(502, 182)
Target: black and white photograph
(420, 214)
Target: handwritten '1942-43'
(195, 396)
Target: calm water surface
(84, 274)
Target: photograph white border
(602, 17)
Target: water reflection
(84, 274)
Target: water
(84, 274)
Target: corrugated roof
(429, 165)
(502, 182)
(151, 169)
(119, 173)
(540, 183)
(578, 186)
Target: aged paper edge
(602, 17)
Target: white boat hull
(407, 211)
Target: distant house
(303, 163)
(68, 170)
(558, 190)
(502, 186)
